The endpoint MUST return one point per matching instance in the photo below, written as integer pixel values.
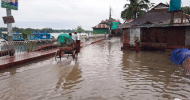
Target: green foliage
(0, 34)
(79, 29)
(53, 37)
(186, 9)
(136, 7)
(25, 34)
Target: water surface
(102, 72)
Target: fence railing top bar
(30, 41)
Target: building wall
(176, 36)
(154, 35)
(173, 36)
(187, 37)
(100, 30)
(134, 33)
(126, 37)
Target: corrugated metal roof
(156, 16)
(112, 21)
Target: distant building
(103, 27)
(100, 29)
(155, 30)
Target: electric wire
(75, 6)
(75, 9)
(87, 9)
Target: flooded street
(102, 72)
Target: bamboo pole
(181, 17)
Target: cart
(67, 46)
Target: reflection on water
(102, 72)
(68, 77)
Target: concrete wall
(134, 33)
(187, 37)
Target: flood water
(102, 72)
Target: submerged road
(102, 72)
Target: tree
(85, 31)
(79, 29)
(186, 9)
(136, 7)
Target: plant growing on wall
(25, 34)
(28, 45)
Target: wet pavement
(101, 72)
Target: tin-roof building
(100, 29)
(103, 27)
(156, 31)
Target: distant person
(105, 35)
(88, 34)
(137, 43)
(70, 34)
(75, 36)
(72, 39)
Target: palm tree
(136, 7)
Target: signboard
(8, 19)
(12, 4)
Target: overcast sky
(67, 14)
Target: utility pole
(9, 26)
(110, 22)
(9, 4)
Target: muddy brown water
(102, 72)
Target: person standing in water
(105, 35)
(137, 43)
